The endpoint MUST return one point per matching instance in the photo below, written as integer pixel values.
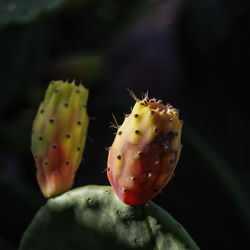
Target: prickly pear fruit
(58, 136)
(145, 151)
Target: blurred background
(192, 54)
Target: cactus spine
(58, 136)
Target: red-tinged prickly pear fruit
(59, 135)
(145, 151)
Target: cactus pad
(92, 217)
(145, 151)
(58, 136)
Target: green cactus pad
(92, 217)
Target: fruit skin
(145, 151)
(59, 135)
(92, 217)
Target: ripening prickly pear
(58, 136)
(145, 151)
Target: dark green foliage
(92, 217)
(25, 11)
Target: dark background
(193, 54)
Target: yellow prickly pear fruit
(59, 135)
(145, 151)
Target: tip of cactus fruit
(153, 103)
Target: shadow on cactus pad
(92, 217)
